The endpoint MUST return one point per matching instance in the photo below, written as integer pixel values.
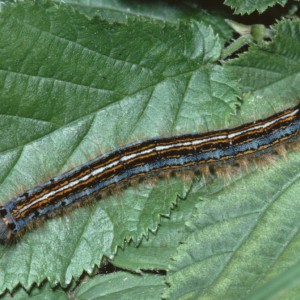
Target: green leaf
(117, 285)
(249, 6)
(284, 286)
(73, 87)
(272, 70)
(242, 234)
(122, 285)
(44, 292)
(172, 12)
(171, 233)
(217, 207)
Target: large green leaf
(241, 235)
(73, 87)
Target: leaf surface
(242, 235)
(72, 88)
(165, 241)
(122, 285)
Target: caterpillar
(143, 158)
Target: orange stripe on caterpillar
(148, 157)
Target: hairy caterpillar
(143, 158)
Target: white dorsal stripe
(156, 148)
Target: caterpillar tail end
(5, 232)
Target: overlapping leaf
(272, 70)
(249, 6)
(122, 285)
(174, 11)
